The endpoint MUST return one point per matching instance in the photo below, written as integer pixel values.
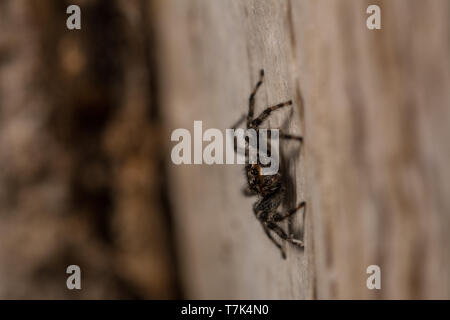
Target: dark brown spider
(270, 189)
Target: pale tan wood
(377, 115)
(211, 55)
(374, 109)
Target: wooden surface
(373, 107)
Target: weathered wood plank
(374, 109)
(212, 53)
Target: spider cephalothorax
(268, 188)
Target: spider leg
(248, 192)
(288, 136)
(280, 217)
(251, 100)
(278, 245)
(280, 232)
(263, 116)
(282, 135)
(237, 124)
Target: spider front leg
(277, 217)
(288, 136)
(251, 100)
(282, 135)
(246, 191)
(237, 124)
(278, 245)
(266, 113)
(281, 233)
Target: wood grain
(374, 109)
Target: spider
(269, 189)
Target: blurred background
(83, 178)
(86, 176)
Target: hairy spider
(270, 189)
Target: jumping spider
(270, 189)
